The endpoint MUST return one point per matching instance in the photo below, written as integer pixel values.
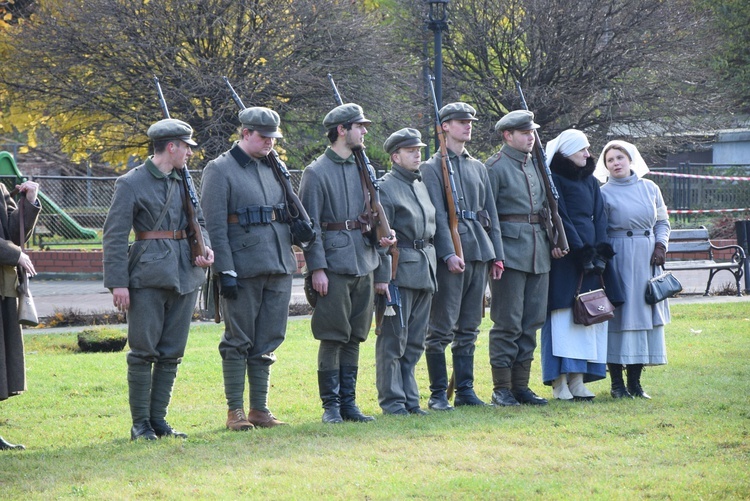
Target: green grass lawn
(690, 442)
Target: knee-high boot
(438, 382)
(501, 394)
(618, 385)
(348, 382)
(329, 387)
(519, 377)
(139, 398)
(162, 382)
(634, 381)
(463, 369)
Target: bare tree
(87, 65)
(625, 67)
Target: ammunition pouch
(310, 293)
(483, 217)
(259, 214)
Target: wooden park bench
(691, 249)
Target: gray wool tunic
(412, 215)
(331, 192)
(138, 200)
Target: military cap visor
(517, 120)
(264, 120)
(404, 138)
(349, 113)
(457, 111)
(171, 129)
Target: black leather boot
(348, 382)
(634, 381)
(519, 377)
(142, 430)
(618, 385)
(328, 385)
(501, 394)
(6, 446)
(438, 382)
(463, 369)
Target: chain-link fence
(74, 208)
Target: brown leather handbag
(592, 307)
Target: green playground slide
(55, 219)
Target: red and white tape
(697, 176)
(701, 211)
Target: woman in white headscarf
(574, 354)
(638, 230)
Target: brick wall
(71, 261)
(66, 261)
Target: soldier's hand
(205, 261)
(121, 298)
(320, 282)
(302, 231)
(228, 287)
(382, 289)
(455, 264)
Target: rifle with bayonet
(449, 182)
(376, 216)
(190, 199)
(301, 226)
(552, 221)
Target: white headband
(568, 142)
(637, 164)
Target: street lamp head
(438, 10)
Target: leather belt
(416, 244)
(235, 219)
(520, 218)
(157, 235)
(469, 215)
(349, 224)
(629, 233)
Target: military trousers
(456, 310)
(158, 325)
(398, 349)
(345, 313)
(255, 322)
(518, 311)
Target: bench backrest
(690, 240)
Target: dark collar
(567, 169)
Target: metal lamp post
(437, 23)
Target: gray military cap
(457, 111)
(348, 113)
(404, 138)
(264, 120)
(171, 128)
(516, 120)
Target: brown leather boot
(263, 419)
(237, 421)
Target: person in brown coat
(12, 369)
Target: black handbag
(592, 307)
(662, 286)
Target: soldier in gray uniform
(459, 301)
(519, 298)
(400, 342)
(245, 214)
(155, 280)
(342, 262)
